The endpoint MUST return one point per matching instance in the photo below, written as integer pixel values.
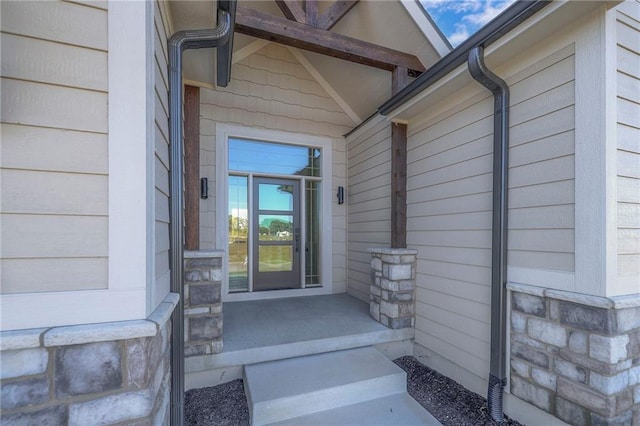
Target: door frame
(225, 131)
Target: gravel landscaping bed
(448, 401)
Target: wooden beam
(192, 167)
(335, 12)
(261, 25)
(311, 10)
(398, 185)
(399, 80)
(292, 10)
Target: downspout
(497, 364)
(179, 42)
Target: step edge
(253, 374)
(308, 347)
(365, 390)
(405, 395)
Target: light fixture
(204, 188)
(340, 195)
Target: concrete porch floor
(267, 330)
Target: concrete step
(393, 410)
(282, 390)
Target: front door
(276, 234)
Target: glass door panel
(238, 234)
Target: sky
(459, 19)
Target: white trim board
(223, 132)
(431, 33)
(22, 311)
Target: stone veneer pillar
(108, 373)
(576, 356)
(392, 287)
(202, 302)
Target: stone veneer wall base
(118, 372)
(576, 356)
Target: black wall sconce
(204, 188)
(340, 195)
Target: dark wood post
(192, 167)
(398, 185)
(399, 168)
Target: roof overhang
(521, 26)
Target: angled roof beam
(261, 25)
(292, 10)
(335, 13)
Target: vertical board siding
(628, 143)
(270, 89)
(161, 140)
(54, 147)
(369, 192)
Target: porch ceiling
(361, 88)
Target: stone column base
(202, 302)
(392, 288)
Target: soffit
(362, 88)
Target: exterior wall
(368, 195)
(54, 147)
(450, 198)
(627, 27)
(78, 172)
(270, 89)
(161, 150)
(91, 374)
(557, 178)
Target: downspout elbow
(198, 39)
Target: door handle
(296, 240)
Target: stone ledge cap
(163, 312)
(204, 254)
(615, 302)
(103, 332)
(393, 251)
(21, 339)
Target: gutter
(499, 26)
(497, 363)
(222, 35)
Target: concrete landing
(340, 384)
(269, 330)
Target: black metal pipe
(499, 26)
(497, 363)
(179, 42)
